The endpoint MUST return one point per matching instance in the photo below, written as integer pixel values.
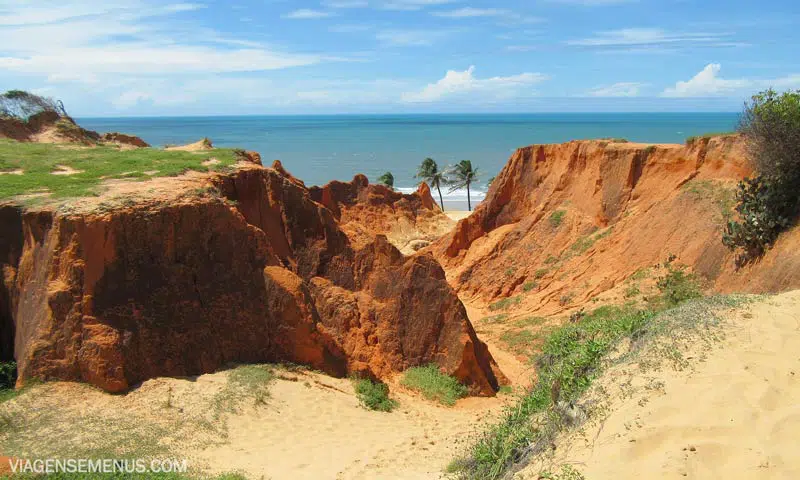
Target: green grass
(374, 395)
(528, 286)
(505, 303)
(245, 381)
(540, 273)
(587, 241)
(632, 291)
(557, 218)
(434, 385)
(551, 259)
(570, 359)
(694, 138)
(720, 194)
(38, 161)
(499, 318)
(519, 341)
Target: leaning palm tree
(463, 176)
(387, 179)
(429, 172)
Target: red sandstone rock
(181, 287)
(625, 207)
(123, 139)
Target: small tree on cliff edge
(387, 179)
(463, 176)
(428, 172)
(769, 202)
(22, 105)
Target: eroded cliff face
(563, 224)
(185, 285)
(410, 222)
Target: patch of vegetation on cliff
(719, 194)
(374, 395)
(434, 385)
(768, 202)
(74, 171)
(571, 357)
(695, 138)
(505, 303)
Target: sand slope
(734, 415)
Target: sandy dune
(735, 415)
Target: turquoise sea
(321, 148)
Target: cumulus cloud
(709, 83)
(621, 89)
(462, 83)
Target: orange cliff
(564, 224)
(177, 283)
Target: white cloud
(410, 38)
(622, 89)
(650, 37)
(457, 83)
(708, 83)
(307, 14)
(135, 39)
(468, 12)
(413, 4)
(349, 28)
(346, 4)
(593, 3)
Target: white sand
(457, 215)
(734, 416)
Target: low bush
(374, 395)
(769, 202)
(434, 385)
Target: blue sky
(121, 58)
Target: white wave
(461, 194)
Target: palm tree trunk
(469, 202)
(441, 202)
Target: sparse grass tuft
(632, 291)
(245, 381)
(694, 138)
(571, 357)
(568, 472)
(557, 218)
(434, 385)
(499, 318)
(505, 303)
(528, 286)
(374, 395)
(723, 196)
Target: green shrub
(374, 395)
(632, 291)
(677, 286)
(769, 202)
(556, 218)
(528, 286)
(434, 385)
